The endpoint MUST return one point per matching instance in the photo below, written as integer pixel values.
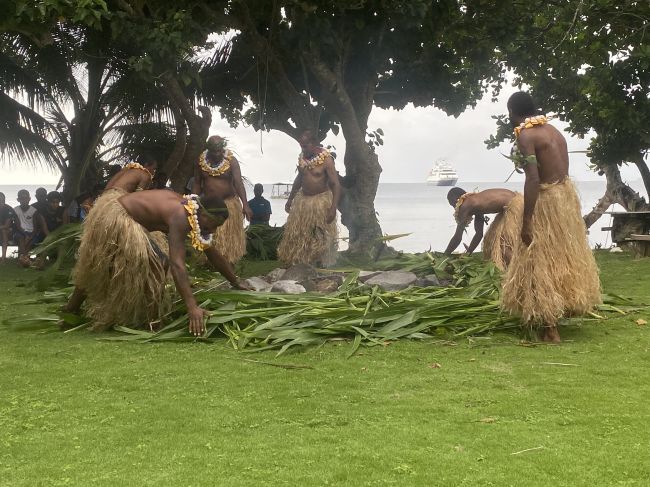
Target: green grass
(75, 410)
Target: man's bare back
(154, 209)
(130, 180)
(487, 202)
(549, 146)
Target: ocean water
(419, 210)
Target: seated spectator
(7, 218)
(54, 214)
(41, 200)
(260, 206)
(29, 227)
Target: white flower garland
(317, 160)
(192, 207)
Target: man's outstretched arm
(479, 224)
(223, 267)
(456, 239)
(197, 315)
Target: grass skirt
(121, 267)
(230, 238)
(307, 238)
(504, 233)
(557, 275)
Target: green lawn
(75, 410)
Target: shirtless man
(135, 175)
(552, 272)
(310, 234)
(120, 281)
(502, 234)
(217, 173)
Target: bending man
(502, 234)
(123, 258)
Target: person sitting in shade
(260, 206)
(7, 219)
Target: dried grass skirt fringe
(307, 238)
(231, 236)
(556, 275)
(504, 233)
(121, 267)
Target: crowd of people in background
(28, 224)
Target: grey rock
(275, 274)
(431, 280)
(392, 280)
(258, 284)
(299, 272)
(365, 275)
(322, 285)
(288, 287)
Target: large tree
(588, 61)
(325, 64)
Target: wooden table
(631, 229)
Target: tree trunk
(174, 159)
(601, 207)
(645, 173)
(198, 126)
(621, 192)
(358, 212)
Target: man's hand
(331, 214)
(248, 213)
(287, 206)
(527, 234)
(197, 320)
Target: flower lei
(317, 160)
(459, 203)
(191, 205)
(221, 168)
(137, 165)
(530, 122)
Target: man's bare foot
(550, 334)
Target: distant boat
(281, 190)
(442, 174)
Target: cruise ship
(442, 174)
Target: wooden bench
(639, 244)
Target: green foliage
(588, 62)
(262, 242)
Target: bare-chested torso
(154, 209)
(488, 201)
(315, 180)
(130, 179)
(550, 149)
(222, 186)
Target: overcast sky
(414, 139)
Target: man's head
(54, 199)
(3, 199)
(454, 194)
(24, 198)
(148, 162)
(212, 213)
(308, 142)
(258, 189)
(160, 180)
(41, 195)
(520, 106)
(216, 145)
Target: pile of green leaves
(262, 242)
(363, 315)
